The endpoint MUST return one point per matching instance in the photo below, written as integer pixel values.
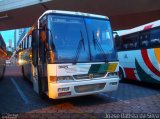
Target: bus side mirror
(115, 34)
(117, 37)
(35, 38)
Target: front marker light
(53, 79)
(61, 79)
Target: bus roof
(72, 13)
(141, 28)
(63, 13)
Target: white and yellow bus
(139, 53)
(3, 56)
(67, 54)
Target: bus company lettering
(63, 67)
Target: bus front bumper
(80, 88)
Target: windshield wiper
(51, 46)
(96, 43)
(80, 45)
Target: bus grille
(86, 76)
(89, 88)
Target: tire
(23, 73)
(38, 84)
(41, 91)
(43, 95)
(121, 74)
(3, 73)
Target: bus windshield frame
(80, 39)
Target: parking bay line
(24, 98)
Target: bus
(139, 53)
(67, 54)
(3, 56)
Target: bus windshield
(80, 39)
(101, 39)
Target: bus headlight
(113, 74)
(61, 79)
(20, 61)
(64, 78)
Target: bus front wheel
(121, 75)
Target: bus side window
(144, 39)
(155, 37)
(22, 46)
(130, 41)
(29, 41)
(134, 40)
(131, 44)
(118, 42)
(26, 43)
(125, 44)
(0, 44)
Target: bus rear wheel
(23, 73)
(3, 73)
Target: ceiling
(124, 14)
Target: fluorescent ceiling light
(4, 16)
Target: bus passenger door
(38, 59)
(35, 79)
(42, 67)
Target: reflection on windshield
(100, 35)
(68, 33)
(98, 45)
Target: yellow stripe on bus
(112, 67)
(157, 53)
